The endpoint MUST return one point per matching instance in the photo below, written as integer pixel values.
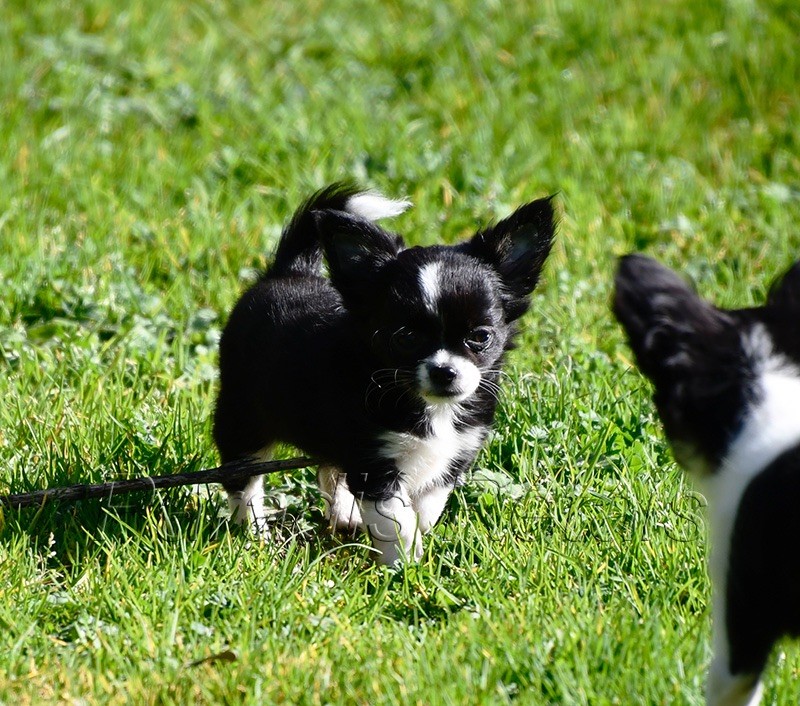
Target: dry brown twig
(83, 491)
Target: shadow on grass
(65, 536)
(65, 533)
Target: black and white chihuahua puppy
(727, 389)
(387, 371)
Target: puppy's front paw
(343, 514)
(395, 555)
(393, 527)
(348, 523)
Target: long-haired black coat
(387, 370)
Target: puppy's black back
(279, 343)
(277, 346)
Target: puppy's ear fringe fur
(517, 248)
(785, 291)
(669, 326)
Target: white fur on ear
(374, 206)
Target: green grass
(152, 152)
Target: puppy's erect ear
(670, 328)
(356, 250)
(516, 248)
(786, 291)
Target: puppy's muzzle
(442, 377)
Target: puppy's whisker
(494, 392)
(394, 373)
(489, 385)
(498, 371)
(385, 383)
(485, 382)
(389, 381)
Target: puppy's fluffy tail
(299, 251)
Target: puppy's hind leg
(246, 498)
(726, 689)
(341, 508)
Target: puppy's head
(438, 318)
(705, 363)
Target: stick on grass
(229, 471)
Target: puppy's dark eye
(407, 340)
(479, 338)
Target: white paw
(393, 528)
(247, 508)
(341, 508)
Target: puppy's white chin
(442, 400)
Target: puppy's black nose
(442, 375)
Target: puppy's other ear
(786, 291)
(356, 250)
(670, 328)
(516, 248)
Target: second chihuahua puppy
(388, 371)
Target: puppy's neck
(772, 423)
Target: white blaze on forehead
(429, 282)
(374, 206)
(441, 357)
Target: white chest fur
(771, 427)
(423, 460)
